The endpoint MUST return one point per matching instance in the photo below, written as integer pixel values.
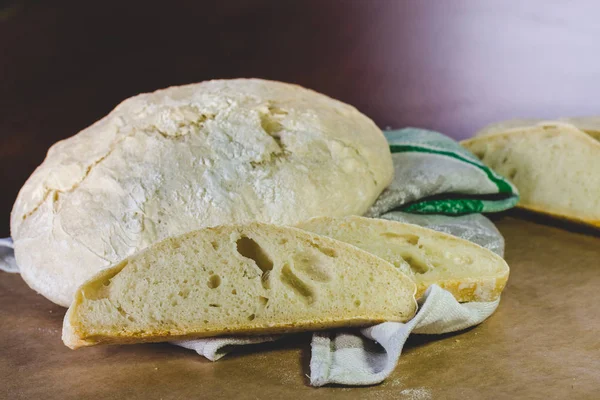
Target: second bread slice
(467, 270)
(251, 279)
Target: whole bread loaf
(467, 270)
(251, 279)
(183, 158)
(555, 165)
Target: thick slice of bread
(467, 270)
(555, 166)
(237, 279)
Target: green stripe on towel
(435, 175)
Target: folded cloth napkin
(434, 175)
(368, 356)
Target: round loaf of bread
(187, 157)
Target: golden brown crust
(76, 340)
(465, 292)
(570, 218)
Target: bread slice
(467, 270)
(237, 279)
(555, 166)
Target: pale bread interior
(469, 271)
(252, 279)
(555, 166)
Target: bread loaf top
(183, 158)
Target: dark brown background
(448, 65)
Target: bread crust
(75, 339)
(569, 218)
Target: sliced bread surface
(467, 270)
(237, 279)
(555, 166)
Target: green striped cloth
(436, 175)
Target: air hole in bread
(251, 317)
(248, 248)
(416, 263)
(326, 250)
(512, 173)
(263, 300)
(214, 245)
(184, 293)
(234, 292)
(312, 265)
(214, 305)
(121, 311)
(293, 282)
(462, 260)
(357, 303)
(264, 280)
(404, 237)
(479, 154)
(214, 281)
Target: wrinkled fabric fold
(368, 356)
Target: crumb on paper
(417, 394)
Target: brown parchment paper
(542, 343)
